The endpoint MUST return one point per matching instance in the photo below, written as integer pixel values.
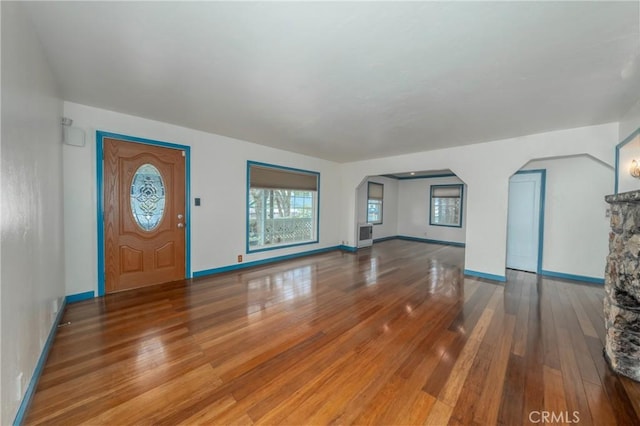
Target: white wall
(32, 212)
(576, 229)
(389, 225)
(485, 168)
(218, 177)
(413, 210)
(628, 125)
(630, 122)
(629, 152)
(361, 201)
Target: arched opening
(426, 205)
(573, 228)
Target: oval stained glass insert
(147, 197)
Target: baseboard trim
(230, 268)
(572, 277)
(430, 241)
(350, 249)
(37, 372)
(492, 277)
(379, 240)
(79, 297)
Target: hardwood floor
(394, 334)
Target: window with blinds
(375, 197)
(446, 205)
(282, 206)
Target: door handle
(180, 225)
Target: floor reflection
(287, 286)
(379, 328)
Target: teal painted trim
(187, 210)
(430, 241)
(100, 213)
(592, 280)
(246, 208)
(350, 249)
(379, 240)
(461, 204)
(274, 166)
(37, 372)
(318, 211)
(543, 201)
(100, 135)
(617, 169)
(281, 247)
(528, 172)
(618, 147)
(543, 195)
(492, 277)
(262, 262)
(428, 177)
(72, 298)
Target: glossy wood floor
(391, 335)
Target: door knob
(180, 225)
(180, 216)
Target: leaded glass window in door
(147, 197)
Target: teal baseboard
(379, 240)
(230, 268)
(583, 278)
(492, 277)
(78, 297)
(430, 241)
(37, 372)
(348, 248)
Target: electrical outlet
(239, 258)
(19, 386)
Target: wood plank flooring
(392, 335)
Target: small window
(375, 195)
(446, 205)
(282, 207)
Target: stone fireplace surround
(622, 286)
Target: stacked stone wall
(622, 285)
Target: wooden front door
(144, 214)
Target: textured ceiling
(349, 81)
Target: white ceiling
(421, 174)
(349, 81)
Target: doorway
(525, 221)
(143, 223)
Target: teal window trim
(460, 216)
(248, 249)
(378, 201)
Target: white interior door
(523, 225)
